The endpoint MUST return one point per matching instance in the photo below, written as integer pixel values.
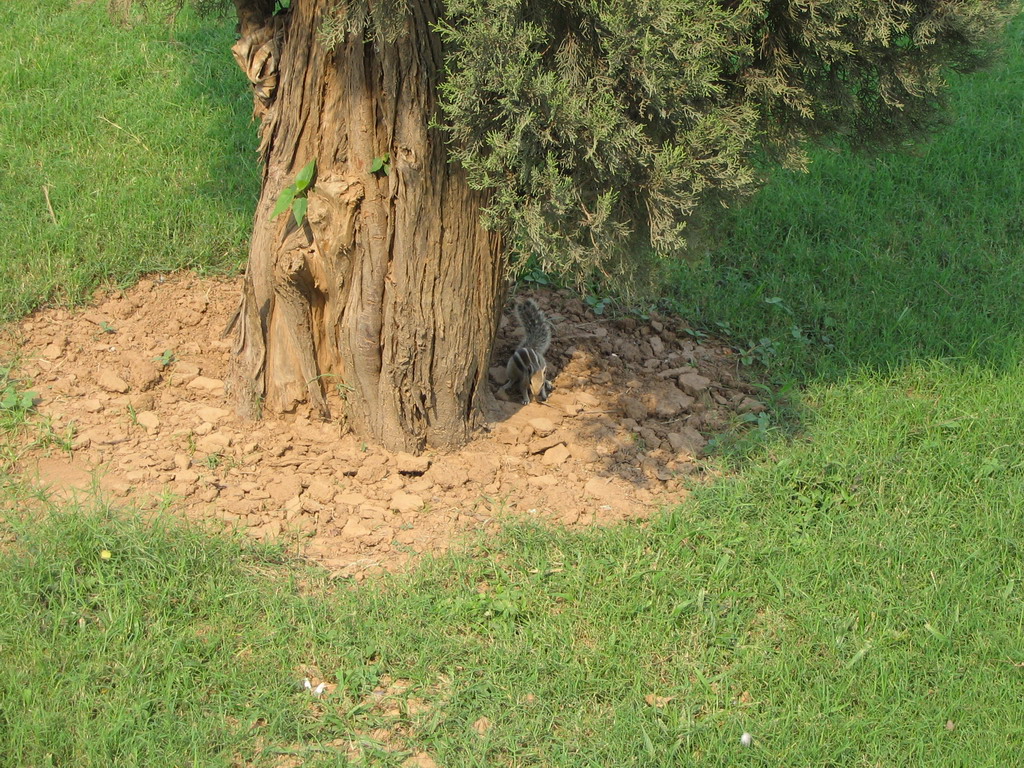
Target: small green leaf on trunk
(287, 195)
(382, 162)
(299, 209)
(305, 175)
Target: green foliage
(17, 403)
(293, 195)
(165, 358)
(15, 400)
(601, 128)
(608, 132)
(383, 19)
(305, 176)
(123, 10)
(381, 163)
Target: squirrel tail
(536, 328)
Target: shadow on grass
(212, 77)
(881, 261)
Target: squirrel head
(540, 387)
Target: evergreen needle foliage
(603, 130)
(602, 127)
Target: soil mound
(137, 380)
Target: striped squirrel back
(526, 369)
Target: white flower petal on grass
(746, 739)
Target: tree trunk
(389, 292)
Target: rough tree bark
(390, 290)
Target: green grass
(176, 650)
(844, 592)
(882, 261)
(863, 588)
(143, 143)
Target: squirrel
(527, 367)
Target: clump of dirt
(137, 379)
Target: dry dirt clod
(405, 503)
(556, 455)
(351, 499)
(320, 491)
(633, 408)
(693, 384)
(687, 442)
(111, 382)
(284, 488)
(212, 414)
(665, 401)
(144, 374)
(583, 453)
(187, 369)
(53, 351)
(482, 726)
(420, 760)
(448, 475)
(542, 426)
(656, 701)
(354, 529)
(215, 442)
(407, 464)
(148, 420)
(206, 384)
(750, 405)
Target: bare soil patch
(139, 375)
